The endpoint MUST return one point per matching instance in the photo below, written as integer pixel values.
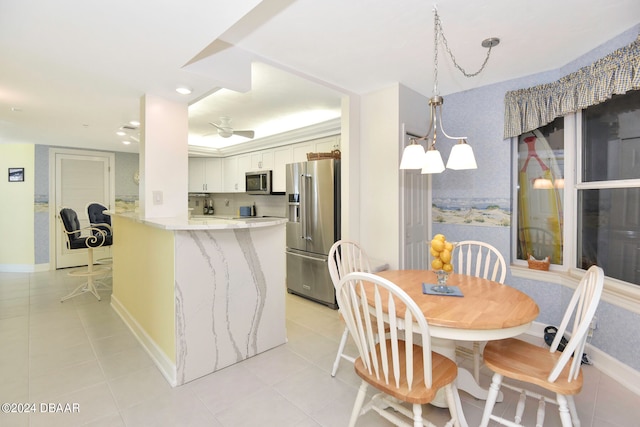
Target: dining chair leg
(573, 411)
(563, 407)
(491, 399)
(343, 342)
(357, 406)
(453, 398)
(417, 415)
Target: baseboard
(608, 365)
(164, 364)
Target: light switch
(157, 197)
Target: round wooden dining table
(487, 310)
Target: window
(540, 178)
(597, 220)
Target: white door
(80, 178)
(415, 227)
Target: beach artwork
(477, 212)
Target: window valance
(528, 109)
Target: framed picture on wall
(16, 174)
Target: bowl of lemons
(441, 251)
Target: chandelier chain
(439, 32)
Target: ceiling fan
(225, 130)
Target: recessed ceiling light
(126, 142)
(183, 90)
(120, 133)
(134, 123)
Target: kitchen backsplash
(229, 203)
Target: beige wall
(17, 208)
(143, 279)
(379, 174)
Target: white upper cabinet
(300, 151)
(322, 145)
(228, 174)
(281, 157)
(205, 174)
(235, 168)
(327, 145)
(262, 160)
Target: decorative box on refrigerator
(313, 195)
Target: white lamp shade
(432, 162)
(461, 157)
(412, 157)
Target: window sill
(615, 292)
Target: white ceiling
(72, 72)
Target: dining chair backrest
(479, 259)
(346, 257)
(375, 328)
(581, 310)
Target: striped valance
(528, 109)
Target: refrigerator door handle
(303, 207)
(312, 258)
(304, 202)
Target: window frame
(618, 292)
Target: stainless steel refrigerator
(313, 196)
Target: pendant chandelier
(461, 157)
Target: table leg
(447, 348)
(464, 381)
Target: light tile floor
(80, 352)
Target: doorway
(78, 178)
(415, 216)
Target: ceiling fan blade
(217, 126)
(246, 133)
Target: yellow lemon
(439, 237)
(434, 253)
(437, 245)
(447, 267)
(436, 264)
(445, 255)
(448, 246)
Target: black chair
(94, 238)
(98, 219)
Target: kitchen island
(200, 294)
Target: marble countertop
(204, 223)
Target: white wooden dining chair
(479, 259)
(556, 372)
(400, 368)
(345, 257)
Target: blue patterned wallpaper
(479, 114)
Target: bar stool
(97, 238)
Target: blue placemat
(426, 289)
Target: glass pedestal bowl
(441, 286)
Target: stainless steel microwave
(258, 182)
